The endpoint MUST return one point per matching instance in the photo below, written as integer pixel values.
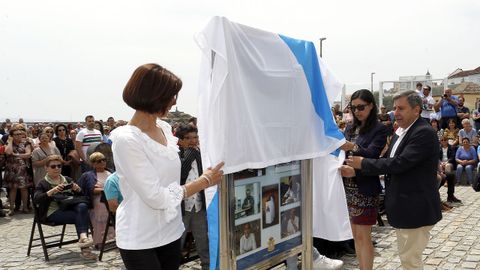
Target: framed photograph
(290, 189)
(247, 237)
(247, 200)
(291, 222)
(270, 206)
(249, 173)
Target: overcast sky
(66, 59)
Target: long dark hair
(367, 96)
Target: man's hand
(347, 171)
(355, 162)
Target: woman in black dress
(65, 146)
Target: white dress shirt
(400, 133)
(149, 179)
(247, 243)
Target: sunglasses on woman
(101, 160)
(58, 166)
(360, 107)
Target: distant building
(409, 82)
(460, 76)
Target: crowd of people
(162, 178)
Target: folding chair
(46, 245)
(110, 223)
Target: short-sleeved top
(449, 110)
(150, 214)
(112, 189)
(88, 137)
(469, 154)
(470, 135)
(41, 154)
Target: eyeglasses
(360, 108)
(48, 131)
(53, 166)
(17, 134)
(61, 129)
(101, 160)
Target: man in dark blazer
(412, 199)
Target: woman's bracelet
(209, 179)
(184, 191)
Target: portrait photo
(290, 189)
(290, 223)
(247, 237)
(270, 205)
(247, 200)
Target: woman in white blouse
(149, 219)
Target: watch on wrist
(355, 147)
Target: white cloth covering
(330, 213)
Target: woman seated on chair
(92, 182)
(49, 210)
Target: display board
(265, 211)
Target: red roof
(465, 73)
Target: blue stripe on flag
(213, 232)
(306, 56)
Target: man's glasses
(58, 166)
(360, 108)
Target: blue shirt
(111, 188)
(449, 110)
(471, 154)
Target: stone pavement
(455, 243)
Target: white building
(460, 76)
(409, 82)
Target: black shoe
(453, 199)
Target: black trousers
(166, 257)
(450, 179)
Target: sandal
(85, 242)
(87, 254)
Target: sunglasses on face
(360, 108)
(101, 160)
(53, 166)
(61, 129)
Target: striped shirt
(88, 137)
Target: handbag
(476, 185)
(66, 201)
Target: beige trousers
(411, 244)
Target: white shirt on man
(149, 177)
(247, 243)
(196, 199)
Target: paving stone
(469, 265)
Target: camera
(445, 96)
(68, 186)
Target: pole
(321, 41)
(371, 81)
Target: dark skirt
(362, 209)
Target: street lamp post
(321, 40)
(371, 81)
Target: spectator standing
(448, 107)
(65, 145)
(476, 117)
(40, 155)
(99, 127)
(17, 152)
(427, 102)
(462, 111)
(194, 213)
(84, 139)
(111, 123)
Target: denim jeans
(468, 169)
(77, 215)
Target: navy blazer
(370, 145)
(412, 199)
